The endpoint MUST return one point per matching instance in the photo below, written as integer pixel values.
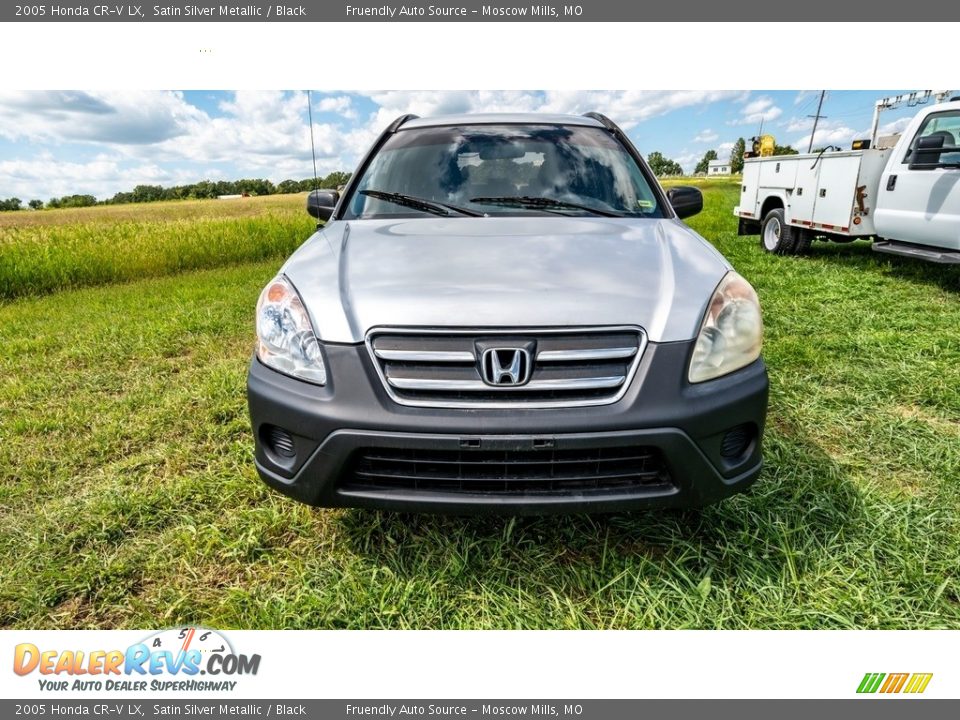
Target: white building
(718, 167)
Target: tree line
(205, 189)
(662, 165)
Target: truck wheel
(803, 241)
(776, 236)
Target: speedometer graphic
(183, 639)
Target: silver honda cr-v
(506, 313)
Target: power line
(804, 105)
(816, 120)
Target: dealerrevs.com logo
(168, 660)
(892, 683)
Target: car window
(574, 164)
(945, 124)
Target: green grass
(128, 496)
(46, 251)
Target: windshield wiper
(542, 203)
(430, 206)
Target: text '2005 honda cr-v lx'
(506, 313)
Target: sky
(55, 143)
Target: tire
(776, 236)
(803, 240)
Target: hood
(506, 272)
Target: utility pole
(816, 120)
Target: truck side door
(923, 205)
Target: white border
(546, 664)
(477, 56)
(453, 56)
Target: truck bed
(833, 193)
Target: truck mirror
(926, 153)
(685, 200)
(930, 142)
(320, 203)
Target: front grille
(509, 471)
(589, 366)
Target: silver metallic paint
(506, 272)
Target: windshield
(505, 170)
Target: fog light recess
(278, 441)
(736, 441)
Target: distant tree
(74, 201)
(35, 204)
(254, 187)
(662, 165)
(147, 193)
(784, 150)
(204, 189)
(656, 161)
(704, 163)
(736, 156)
(10, 204)
(285, 187)
(335, 179)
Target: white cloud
(626, 108)
(837, 133)
(141, 135)
(828, 133)
(724, 150)
(688, 161)
(112, 118)
(261, 130)
(340, 104)
(261, 134)
(761, 109)
(629, 108)
(895, 126)
(706, 136)
(798, 124)
(47, 176)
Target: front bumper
(685, 424)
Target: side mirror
(926, 152)
(685, 200)
(320, 203)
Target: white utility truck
(902, 191)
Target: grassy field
(128, 496)
(54, 250)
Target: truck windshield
(503, 170)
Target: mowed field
(128, 496)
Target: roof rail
(603, 120)
(396, 124)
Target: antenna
(313, 149)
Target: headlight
(285, 337)
(732, 331)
